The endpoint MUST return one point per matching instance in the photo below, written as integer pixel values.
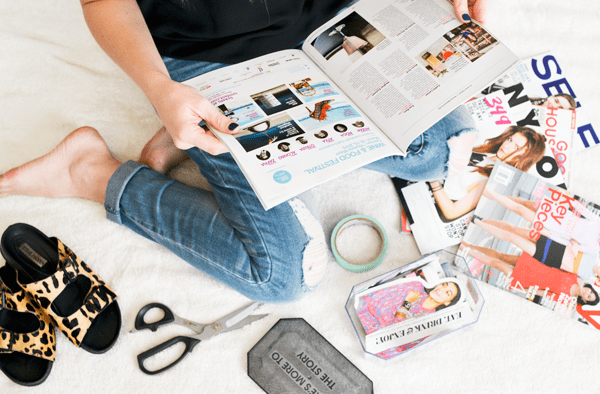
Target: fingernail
(233, 126)
(466, 17)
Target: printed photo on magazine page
(298, 129)
(537, 241)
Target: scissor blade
(199, 328)
(232, 321)
(241, 323)
(245, 321)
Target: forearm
(121, 31)
(451, 209)
(119, 28)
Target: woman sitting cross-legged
(271, 256)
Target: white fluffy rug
(54, 78)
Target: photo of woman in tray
(409, 298)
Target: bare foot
(80, 166)
(161, 154)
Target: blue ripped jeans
(226, 233)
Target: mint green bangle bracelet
(352, 221)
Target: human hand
(181, 108)
(412, 296)
(400, 315)
(467, 9)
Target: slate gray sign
(294, 358)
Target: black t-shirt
(230, 31)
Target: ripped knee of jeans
(314, 256)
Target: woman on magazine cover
(271, 256)
(406, 300)
(583, 226)
(560, 101)
(528, 272)
(548, 252)
(518, 146)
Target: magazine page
(508, 130)
(298, 129)
(406, 63)
(547, 85)
(538, 242)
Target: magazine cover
(538, 242)
(547, 85)
(508, 130)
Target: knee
(296, 262)
(282, 289)
(293, 277)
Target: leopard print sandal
(27, 343)
(77, 301)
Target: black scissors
(232, 321)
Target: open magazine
(538, 242)
(510, 129)
(363, 87)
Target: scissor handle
(189, 346)
(140, 323)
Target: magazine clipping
(413, 305)
(538, 242)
